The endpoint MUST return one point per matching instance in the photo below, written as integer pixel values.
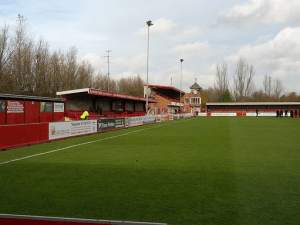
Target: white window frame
(197, 101)
(186, 101)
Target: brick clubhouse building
(172, 100)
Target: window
(186, 101)
(195, 101)
(118, 106)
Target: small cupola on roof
(196, 86)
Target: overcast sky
(203, 33)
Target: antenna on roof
(108, 51)
(171, 82)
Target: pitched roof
(89, 92)
(195, 86)
(165, 87)
(30, 98)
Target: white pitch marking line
(60, 149)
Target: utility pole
(181, 60)
(108, 51)
(269, 88)
(149, 23)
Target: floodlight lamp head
(181, 60)
(149, 22)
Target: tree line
(30, 68)
(243, 89)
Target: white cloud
(96, 61)
(119, 67)
(160, 26)
(191, 30)
(195, 47)
(136, 64)
(286, 44)
(261, 12)
(279, 57)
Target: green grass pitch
(204, 170)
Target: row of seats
(166, 97)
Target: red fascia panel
(15, 118)
(32, 112)
(23, 134)
(2, 118)
(59, 116)
(46, 117)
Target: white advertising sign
(15, 107)
(267, 114)
(148, 119)
(59, 107)
(135, 121)
(223, 114)
(73, 128)
(262, 114)
(158, 118)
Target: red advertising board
(24, 134)
(15, 112)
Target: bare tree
(6, 82)
(258, 96)
(98, 81)
(243, 80)
(210, 94)
(84, 74)
(113, 85)
(41, 70)
(221, 84)
(28, 67)
(278, 89)
(21, 43)
(272, 89)
(131, 86)
(267, 87)
(56, 63)
(290, 97)
(5, 51)
(69, 70)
